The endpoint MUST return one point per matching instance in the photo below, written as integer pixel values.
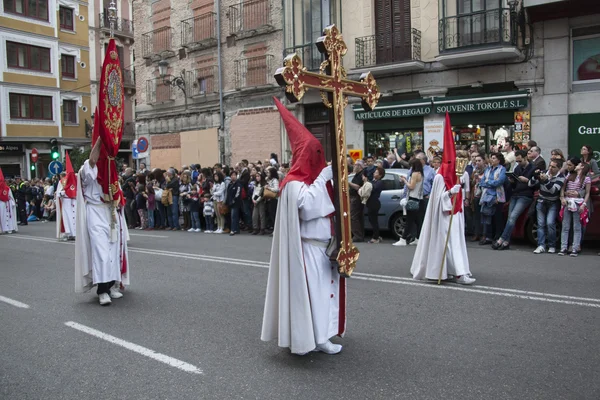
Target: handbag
(223, 209)
(268, 193)
(412, 205)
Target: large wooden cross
(332, 79)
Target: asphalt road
(189, 326)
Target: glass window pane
(24, 101)
(34, 55)
(14, 105)
(20, 6)
(47, 103)
(22, 54)
(37, 107)
(586, 59)
(45, 59)
(42, 6)
(12, 55)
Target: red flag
(448, 167)
(110, 122)
(70, 184)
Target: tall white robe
(8, 215)
(98, 255)
(305, 303)
(428, 256)
(66, 213)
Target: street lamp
(176, 81)
(512, 4)
(112, 17)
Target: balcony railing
(255, 71)
(250, 15)
(128, 78)
(484, 28)
(199, 30)
(156, 41)
(129, 130)
(309, 54)
(387, 48)
(158, 92)
(123, 27)
(202, 81)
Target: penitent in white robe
(428, 256)
(8, 215)
(98, 252)
(305, 303)
(66, 214)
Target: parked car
(391, 216)
(526, 226)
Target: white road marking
(13, 302)
(141, 234)
(489, 290)
(173, 362)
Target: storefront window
(406, 141)
(586, 54)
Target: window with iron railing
(249, 15)
(387, 48)
(310, 55)
(199, 29)
(255, 71)
(202, 81)
(157, 91)
(121, 26)
(157, 41)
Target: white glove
(327, 173)
(455, 189)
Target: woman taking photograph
(271, 203)
(414, 186)
(493, 198)
(218, 196)
(573, 197)
(373, 204)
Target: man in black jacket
(234, 201)
(129, 193)
(357, 208)
(522, 197)
(23, 194)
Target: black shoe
(231, 233)
(255, 232)
(504, 246)
(496, 245)
(483, 242)
(357, 240)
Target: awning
(480, 103)
(399, 109)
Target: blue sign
(55, 168)
(134, 150)
(142, 144)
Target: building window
(69, 111)
(66, 18)
(28, 57)
(23, 106)
(37, 9)
(586, 54)
(67, 66)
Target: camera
(537, 173)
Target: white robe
(305, 299)
(428, 256)
(97, 256)
(8, 215)
(66, 213)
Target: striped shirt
(576, 185)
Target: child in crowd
(194, 207)
(209, 212)
(151, 204)
(32, 212)
(140, 202)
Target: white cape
(428, 256)
(83, 248)
(8, 215)
(66, 212)
(300, 276)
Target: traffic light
(54, 149)
(33, 167)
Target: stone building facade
(186, 104)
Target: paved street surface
(189, 326)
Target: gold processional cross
(332, 79)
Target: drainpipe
(219, 57)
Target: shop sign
(395, 112)
(584, 129)
(433, 136)
(11, 148)
(355, 154)
(479, 106)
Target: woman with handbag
(373, 204)
(218, 197)
(270, 194)
(574, 196)
(414, 185)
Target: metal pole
(220, 67)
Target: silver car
(391, 216)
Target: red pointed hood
(4, 189)
(308, 156)
(70, 185)
(448, 167)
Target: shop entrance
(316, 119)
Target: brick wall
(168, 141)
(255, 134)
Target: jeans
(373, 213)
(162, 216)
(518, 204)
(247, 213)
(496, 220)
(174, 216)
(259, 219)
(195, 220)
(569, 216)
(546, 218)
(235, 219)
(150, 218)
(209, 223)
